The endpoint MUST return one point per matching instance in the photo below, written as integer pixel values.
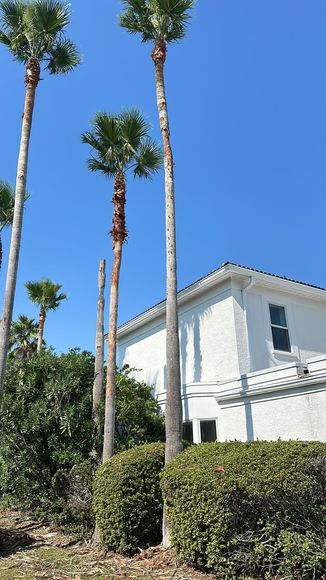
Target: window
(187, 431)
(281, 340)
(207, 431)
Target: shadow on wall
(190, 332)
(247, 409)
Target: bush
(250, 508)
(47, 433)
(128, 499)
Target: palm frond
(157, 19)
(64, 57)
(5, 38)
(95, 165)
(149, 159)
(50, 16)
(7, 203)
(133, 128)
(12, 14)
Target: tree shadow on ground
(11, 542)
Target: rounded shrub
(255, 508)
(128, 500)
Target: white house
(253, 356)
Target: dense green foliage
(254, 508)
(128, 499)
(47, 432)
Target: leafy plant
(127, 498)
(47, 432)
(250, 508)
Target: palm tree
(7, 202)
(45, 294)
(120, 143)
(23, 337)
(33, 32)
(162, 22)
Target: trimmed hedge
(255, 508)
(128, 499)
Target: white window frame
(276, 350)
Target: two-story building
(252, 353)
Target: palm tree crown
(45, 294)
(121, 142)
(34, 29)
(157, 20)
(23, 336)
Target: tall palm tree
(7, 202)
(162, 22)
(33, 32)
(120, 143)
(23, 337)
(46, 295)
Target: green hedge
(254, 508)
(128, 499)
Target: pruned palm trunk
(99, 347)
(173, 409)
(173, 401)
(119, 234)
(31, 80)
(41, 323)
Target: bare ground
(31, 550)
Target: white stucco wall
(226, 341)
(208, 342)
(306, 320)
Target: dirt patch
(31, 550)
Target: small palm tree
(120, 143)
(45, 294)
(33, 32)
(7, 202)
(23, 337)
(162, 22)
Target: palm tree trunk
(42, 318)
(119, 234)
(31, 80)
(99, 347)
(173, 408)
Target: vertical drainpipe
(244, 292)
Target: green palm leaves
(45, 294)
(121, 142)
(157, 19)
(23, 337)
(35, 29)
(7, 202)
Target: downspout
(244, 292)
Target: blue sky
(247, 101)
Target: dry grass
(30, 550)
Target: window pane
(207, 431)
(281, 338)
(277, 315)
(187, 432)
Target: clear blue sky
(247, 101)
